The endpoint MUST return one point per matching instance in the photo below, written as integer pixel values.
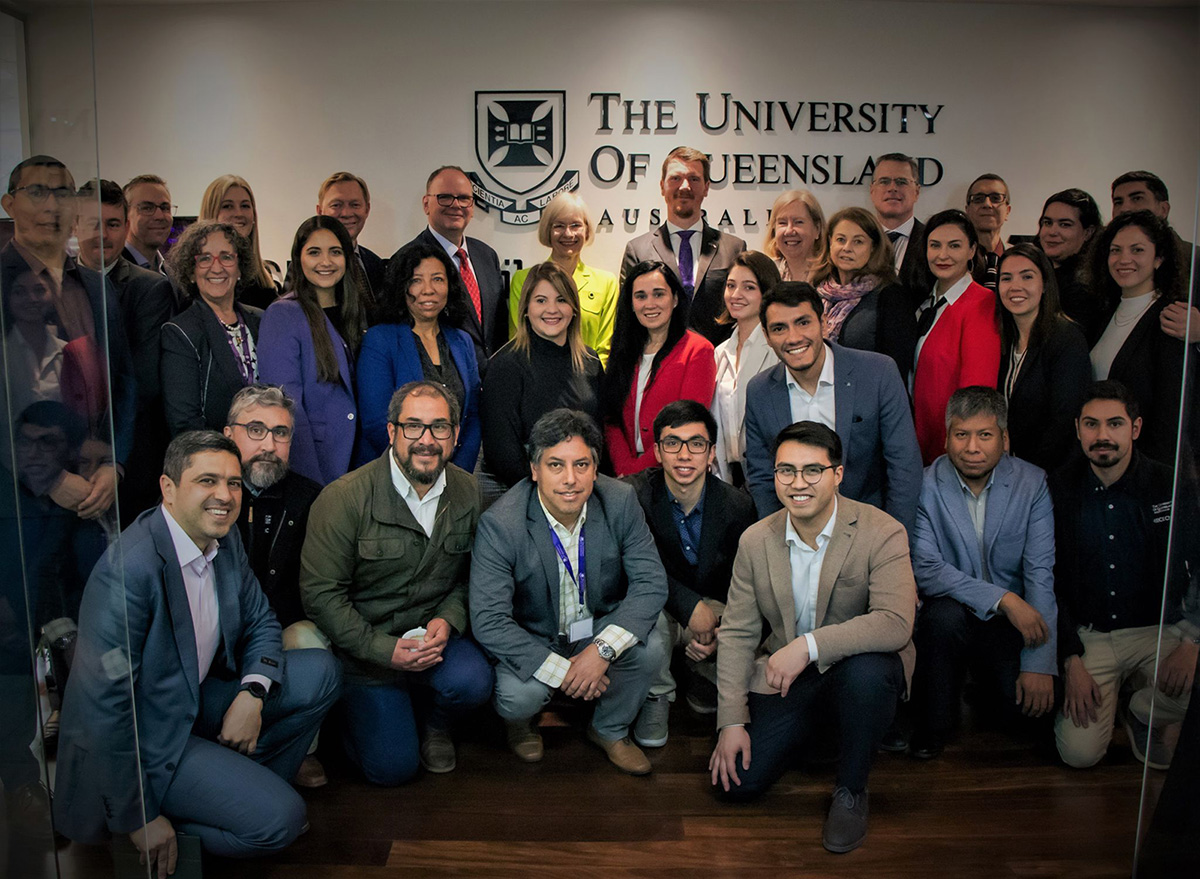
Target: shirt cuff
(258, 679)
(553, 670)
(617, 638)
(812, 646)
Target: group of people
(843, 471)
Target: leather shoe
(894, 741)
(311, 773)
(846, 823)
(622, 753)
(524, 740)
(437, 751)
(926, 746)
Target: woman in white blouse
(740, 357)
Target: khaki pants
(671, 635)
(303, 635)
(1112, 658)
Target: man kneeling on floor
(566, 585)
(828, 582)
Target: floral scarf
(841, 299)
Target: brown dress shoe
(622, 753)
(311, 773)
(524, 740)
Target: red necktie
(468, 276)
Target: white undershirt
(1125, 318)
(643, 378)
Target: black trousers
(861, 691)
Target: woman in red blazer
(958, 336)
(655, 360)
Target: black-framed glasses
(996, 198)
(696, 445)
(414, 430)
(446, 199)
(256, 430)
(38, 192)
(812, 473)
(149, 208)
(47, 443)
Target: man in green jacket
(383, 574)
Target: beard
(411, 473)
(265, 469)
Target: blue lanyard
(581, 580)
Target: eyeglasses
(996, 198)
(886, 182)
(204, 260)
(445, 199)
(38, 193)
(46, 443)
(256, 430)
(149, 208)
(812, 473)
(696, 445)
(414, 430)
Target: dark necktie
(893, 236)
(928, 316)
(685, 262)
(468, 276)
(992, 277)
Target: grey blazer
(514, 573)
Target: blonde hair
(791, 196)
(561, 204)
(210, 206)
(565, 286)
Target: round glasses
(812, 473)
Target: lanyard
(581, 580)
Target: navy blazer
(514, 598)
(375, 268)
(137, 646)
(326, 414)
(879, 444)
(1018, 541)
(388, 359)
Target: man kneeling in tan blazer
(829, 583)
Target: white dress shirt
(952, 296)
(424, 509)
(806, 576)
(694, 241)
(729, 398)
(642, 380)
(451, 248)
(900, 245)
(200, 582)
(817, 407)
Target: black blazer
(727, 513)
(1045, 399)
(376, 269)
(1150, 364)
(883, 322)
(914, 270)
(1079, 302)
(146, 301)
(199, 372)
(493, 295)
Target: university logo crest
(520, 140)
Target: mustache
(1102, 446)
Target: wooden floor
(987, 808)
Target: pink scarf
(841, 299)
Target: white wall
(284, 93)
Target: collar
(186, 551)
(697, 510)
(405, 489)
(790, 535)
(142, 260)
(449, 246)
(967, 488)
(697, 226)
(557, 526)
(905, 228)
(1093, 482)
(36, 265)
(826, 377)
(955, 293)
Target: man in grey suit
(566, 584)
(701, 266)
(173, 622)
(857, 393)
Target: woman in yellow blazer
(566, 228)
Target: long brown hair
(881, 263)
(349, 298)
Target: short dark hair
(815, 434)
(110, 193)
(51, 413)
(1089, 211)
(559, 425)
(39, 161)
(1110, 389)
(191, 443)
(977, 400)
(900, 157)
(987, 176)
(791, 294)
(1153, 183)
(684, 412)
(143, 178)
(423, 389)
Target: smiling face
(684, 188)
(100, 230)
(1132, 261)
(795, 335)
(322, 260)
(423, 459)
(568, 235)
(894, 192)
(795, 231)
(743, 296)
(264, 461)
(565, 475)
(549, 313)
(237, 209)
(653, 301)
(345, 201)
(449, 220)
(1061, 233)
(849, 250)
(208, 497)
(987, 205)
(428, 290)
(29, 300)
(975, 446)
(152, 229)
(806, 504)
(949, 252)
(1020, 286)
(217, 270)
(42, 224)
(684, 467)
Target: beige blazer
(866, 601)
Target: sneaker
(701, 695)
(1158, 754)
(650, 729)
(311, 774)
(437, 751)
(622, 753)
(846, 823)
(524, 740)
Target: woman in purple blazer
(308, 342)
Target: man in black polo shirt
(1113, 512)
(696, 520)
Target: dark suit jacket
(375, 267)
(493, 295)
(147, 302)
(137, 647)
(879, 446)
(514, 573)
(914, 268)
(1046, 397)
(883, 322)
(717, 250)
(199, 372)
(727, 513)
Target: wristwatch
(255, 689)
(605, 650)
